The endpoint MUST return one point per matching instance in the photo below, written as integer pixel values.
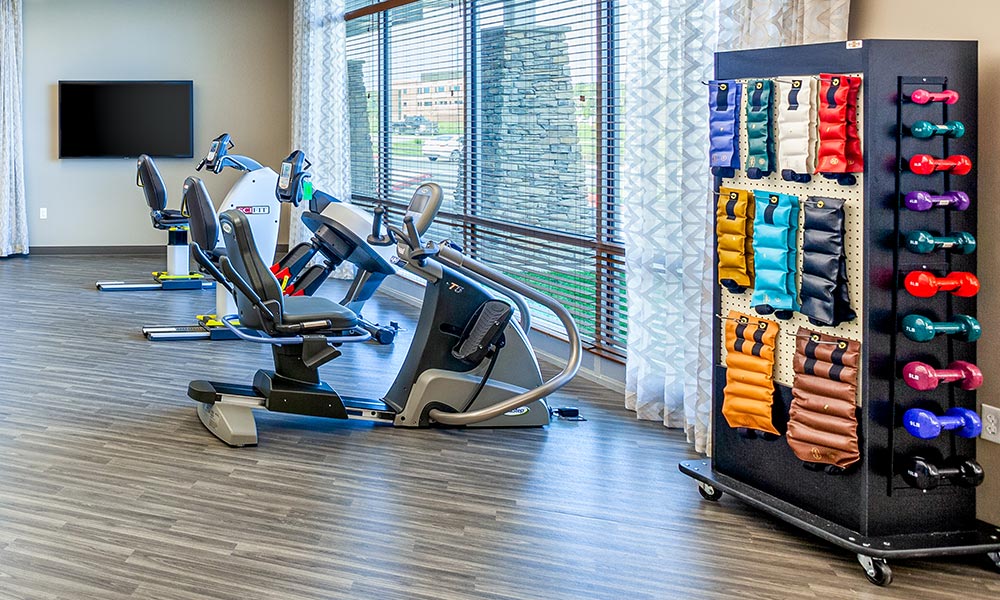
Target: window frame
(607, 247)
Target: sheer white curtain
(666, 186)
(320, 119)
(13, 211)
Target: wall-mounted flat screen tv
(123, 119)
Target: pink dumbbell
(922, 96)
(923, 377)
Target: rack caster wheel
(876, 570)
(994, 560)
(708, 492)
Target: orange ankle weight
(822, 422)
(749, 390)
(734, 226)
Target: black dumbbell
(921, 329)
(922, 474)
(922, 242)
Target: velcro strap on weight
(723, 121)
(734, 229)
(775, 227)
(795, 121)
(824, 292)
(749, 392)
(823, 425)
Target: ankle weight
(839, 143)
(822, 421)
(724, 125)
(852, 150)
(749, 391)
(795, 119)
(775, 226)
(760, 149)
(734, 227)
(824, 294)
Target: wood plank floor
(111, 488)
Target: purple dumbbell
(923, 377)
(921, 201)
(926, 425)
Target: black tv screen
(124, 119)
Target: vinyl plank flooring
(110, 488)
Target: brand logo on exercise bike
(254, 210)
(523, 410)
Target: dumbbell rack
(869, 509)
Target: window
(526, 156)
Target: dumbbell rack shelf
(869, 509)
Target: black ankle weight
(824, 295)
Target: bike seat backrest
(424, 206)
(148, 178)
(203, 223)
(242, 252)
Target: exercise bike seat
(203, 222)
(147, 176)
(165, 219)
(244, 265)
(302, 309)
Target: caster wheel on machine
(994, 560)
(876, 570)
(385, 336)
(708, 492)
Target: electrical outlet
(991, 424)
(43, 213)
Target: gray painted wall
(236, 51)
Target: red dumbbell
(924, 284)
(923, 377)
(925, 164)
(922, 96)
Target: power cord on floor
(566, 413)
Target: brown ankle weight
(822, 421)
(749, 391)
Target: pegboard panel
(853, 247)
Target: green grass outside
(559, 284)
(407, 147)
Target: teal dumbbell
(922, 242)
(921, 329)
(926, 129)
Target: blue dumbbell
(926, 425)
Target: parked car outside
(415, 125)
(443, 146)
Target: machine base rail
(984, 539)
(166, 284)
(161, 333)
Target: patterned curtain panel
(320, 120)
(666, 185)
(13, 210)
